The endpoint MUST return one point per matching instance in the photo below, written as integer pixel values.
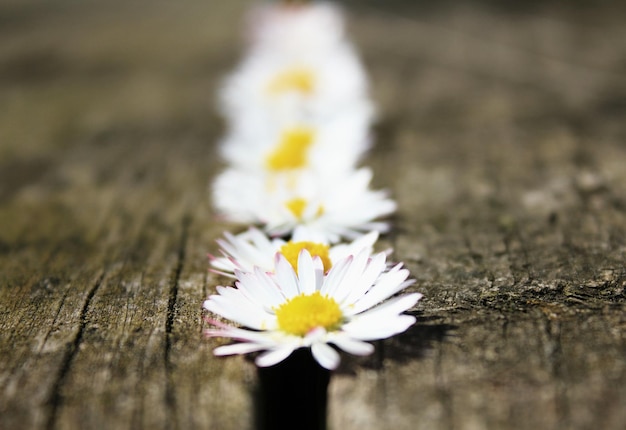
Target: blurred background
(88, 85)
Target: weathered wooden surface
(502, 136)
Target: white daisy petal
(259, 288)
(224, 330)
(286, 277)
(325, 355)
(375, 267)
(378, 329)
(307, 273)
(387, 285)
(244, 314)
(239, 348)
(353, 277)
(266, 281)
(351, 345)
(394, 306)
(245, 251)
(274, 356)
(335, 276)
(341, 251)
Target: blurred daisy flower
(336, 144)
(254, 248)
(288, 309)
(270, 87)
(298, 66)
(325, 207)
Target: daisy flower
(254, 248)
(334, 144)
(326, 207)
(288, 309)
(269, 86)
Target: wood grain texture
(501, 134)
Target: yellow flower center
(291, 251)
(291, 151)
(305, 312)
(297, 206)
(295, 79)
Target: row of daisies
(305, 270)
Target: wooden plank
(511, 219)
(99, 306)
(500, 135)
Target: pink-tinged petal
(365, 241)
(226, 274)
(264, 288)
(227, 245)
(318, 270)
(353, 275)
(286, 277)
(386, 286)
(306, 272)
(258, 288)
(325, 355)
(243, 335)
(375, 266)
(238, 348)
(335, 276)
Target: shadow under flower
(298, 386)
(413, 344)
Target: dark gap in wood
(442, 391)
(170, 397)
(56, 397)
(292, 394)
(555, 360)
(379, 355)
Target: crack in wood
(170, 396)
(56, 397)
(54, 320)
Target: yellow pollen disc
(297, 79)
(296, 206)
(291, 151)
(305, 312)
(291, 251)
